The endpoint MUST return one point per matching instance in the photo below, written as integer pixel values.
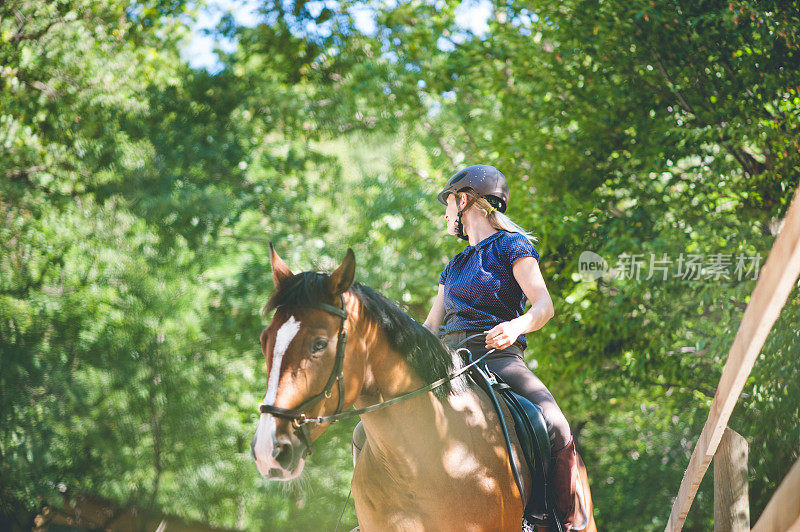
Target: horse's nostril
(284, 454)
(253, 448)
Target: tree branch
(686, 107)
(19, 36)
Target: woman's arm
(529, 277)
(436, 315)
(527, 273)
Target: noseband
(300, 421)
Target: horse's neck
(409, 430)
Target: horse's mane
(423, 351)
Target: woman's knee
(557, 426)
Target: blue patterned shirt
(480, 290)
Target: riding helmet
(485, 180)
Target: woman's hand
(502, 335)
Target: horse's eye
(318, 345)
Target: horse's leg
(359, 438)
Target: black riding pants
(509, 364)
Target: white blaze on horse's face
(265, 444)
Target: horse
(435, 461)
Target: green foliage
(138, 197)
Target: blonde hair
(497, 219)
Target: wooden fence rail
(783, 510)
(776, 280)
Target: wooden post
(731, 503)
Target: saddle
(531, 430)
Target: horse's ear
(280, 271)
(341, 279)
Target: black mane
(423, 351)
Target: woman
(483, 289)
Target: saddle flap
(534, 422)
(531, 430)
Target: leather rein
(299, 419)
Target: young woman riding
(484, 288)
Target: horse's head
(301, 347)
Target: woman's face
(451, 214)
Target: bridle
(299, 419)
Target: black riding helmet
(482, 180)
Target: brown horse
(436, 461)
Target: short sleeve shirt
(480, 290)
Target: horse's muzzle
(277, 456)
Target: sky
(199, 49)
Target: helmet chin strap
(460, 228)
(459, 225)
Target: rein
(299, 418)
